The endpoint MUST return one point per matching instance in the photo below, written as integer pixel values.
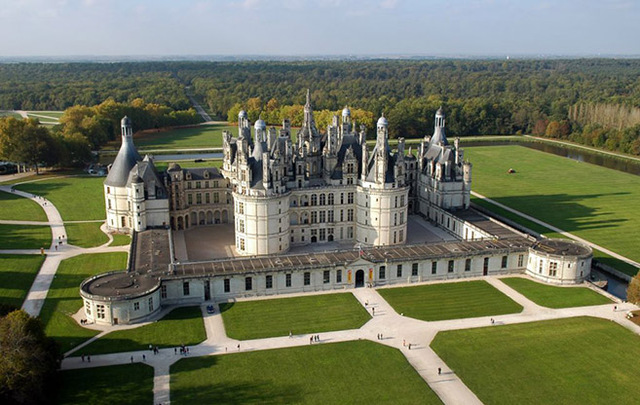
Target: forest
(591, 101)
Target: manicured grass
(201, 136)
(17, 273)
(595, 203)
(180, 326)
(360, 372)
(276, 317)
(555, 297)
(565, 361)
(77, 198)
(435, 302)
(63, 299)
(25, 236)
(124, 384)
(162, 166)
(85, 234)
(120, 240)
(14, 207)
(50, 115)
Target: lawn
(123, 384)
(63, 299)
(185, 164)
(555, 297)
(201, 136)
(276, 317)
(566, 361)
(14, 207)
(181, 326)
(436, 302)
(85, 234)
(595, 203)
(25, 236)
(17, 273)
(338, 373)
(120, 240)
(77, 198)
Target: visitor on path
(493, 321)
(290, 334)
(88, 359)
(238, 346)
(311, 340)
(144, 358)
(403, 343)
(82, 358)
(615, 308)
(409, 346)
(150, 347)
(175, 350)
(439, 371)
(132, 359)
(373, 311)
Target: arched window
(322, 199)
(314, 199)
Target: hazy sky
(303, 27)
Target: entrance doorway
(485, 267)
(207, 290)
(359, 278)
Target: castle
(286, 197)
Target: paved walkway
(556, 229)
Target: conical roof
(126, 159)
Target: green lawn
(63, 299)
(201, 136)
(276, 317)
(436, 302)
(181, 326)
(359, 372)
(120, 240)
(566, 361)
(14, 207)
(124, 384)
(77, 198)
(555, 297)
(85, 234)
(25, 236)
(162, 166)
(595, 203)
(17, 273)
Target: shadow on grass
(226, 306)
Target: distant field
(17, 273)
(201, 136)
(359, 372)
(162, 166)
(435, 302)
(10, 114)
(300, 315)
(595, 203)
(555, 297)
(14, 207)
(565, 361)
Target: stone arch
(304, 200)
(172, 223)
(216, 217)
(180, 224)
(304, 218)
(209, 217)
(224, 216)
(194, 218)
(293, 218)
(201, 220)
(186, 221)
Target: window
(227, 285)
(330, 215)
(450, 267)
(185, 288)
(341, 198)
(330, 199)
(401, 235)
(109, 202)
(323, 234)
(314, 217)
(248, 283)
(136, 306)
(150, 304)
(322, 199)
(326, 276)
(163, 291)
(504, 261)
(382, 272)
(322, 217)
(216, 198)
(553, 269)
(414, 269)
(240, 208)
(198, 184)
(269, 281)
(338, 273)
(100, 313)
(399, 271)
(434, 267)
(287, 280)
(241, 243)
(87, 307)
(540, 266)
(108, 190)
(485, 265)
(314, 199)
(199, 198)
(520, 260)
(467, 265)
(349, 198)
(207, 198)
(350, 214)
(241, 225)
(307, 278)
(189, 199)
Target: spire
(308, 103)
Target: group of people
(314, 338)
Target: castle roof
(126, 159)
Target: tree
(26, 141)
(633, 291)
(28, 360)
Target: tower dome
(125, 122)
(382, 121)
(346, 112)
(242, 114)
(260, 124)
(440, 112)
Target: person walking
(439, 371)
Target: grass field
(63, 299)
(359, 372)
(120, 240)
(180, 326)
(17, 273)
(85, 234)
(566, 361)
(14, 207)
(162, 166)
(25, 236)
(435, 302)
(276, 317)
(595, 203)
(124, 384)
(61, 192)
(201, 136)
(555, 297)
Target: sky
(319, 27)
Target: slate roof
(126, 159)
